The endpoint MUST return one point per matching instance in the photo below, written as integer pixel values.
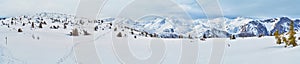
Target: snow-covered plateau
(48, 38)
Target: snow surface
(56, 46)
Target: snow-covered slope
(54, 47)
(240, 26)
(49, 45)
(165, 27)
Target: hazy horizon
(230, 8)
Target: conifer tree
(41, 25)
(20, 30)
(86, 33)
(23, 24)
(32, 25)
(204, 36)
(190, 37)
(74, 32)
(292, 38)
(119, 34)
(180, 36)
(65, 26)
(115, 29)
(96, 28)
(277, 37)
(232, 37)
(284, 40)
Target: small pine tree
(115, 29)
(155, 35)
(284, 40)
(190, 37)
(202, 39)
(132, 33)
(278, 41)
(110, 24)
(32, 25)
(204, 36)
(74, 32)
(20, 30)
(11, 22)
(86, 33)
(261, 35)
(232, 37)
(277, 36)
(119, 34)
(54, 27)
(41, 25)
(96, 28)
(101, 21)
(292, 38)
(44, 23)
(180, 36)
(23, 24)
(146, 34)
(57, 27)
(65, 27)
(151, 35)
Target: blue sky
(267, 8)
(231, 8)
(252, 8)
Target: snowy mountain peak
(241, 26)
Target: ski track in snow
(70, 54)
(7, 58)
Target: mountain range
(169, 27)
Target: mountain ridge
(167, 27)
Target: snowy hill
(242, 27)
(164, 27)
(45, 39)
(54, 21)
